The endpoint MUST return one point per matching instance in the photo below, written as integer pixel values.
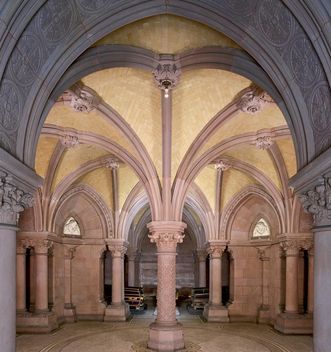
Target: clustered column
(166, 333)
(20, 277)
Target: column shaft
(311, 282)
(202, 272)
(291, 298)
(41, 260)
(7, 289)
(131, 270)
(322, 290)
(20, 279)
(117, 272)
(216, 272)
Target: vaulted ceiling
(208, 127)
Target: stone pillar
(166, 334)
(292, 256)
(20, 277)
(12, 201)
(131, 269)
(118, 310)
(69, 308)
(201, 255)
(264, 313)
(215, 311)
(41, 250)
(311, 281)
(291, 322)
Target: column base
(293, 323)
(263, 314)
(117, 312)
(69, 313)
(166, 338)
(216, 313)
(41, 322)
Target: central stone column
(215, 311)
(166, 334)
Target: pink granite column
(69, 308)
(166, 334)
(41, 251)
(20, 277)
(118, 310)
(214, 310)
(291, 295)
(201, 254)
(311, 281)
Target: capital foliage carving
(112, 163)
(254, 100)
(117, 250)
(83, 99)
(262, 253)
(42, 246)
(216, 250)
(12, 200)
(69, 140)
(69, 252)
(317, 201)
(167, 240)
(222, 165)
(167, 74)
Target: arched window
(261, 229)
(71, 227)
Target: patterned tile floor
(132, 336)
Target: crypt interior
(171, 167)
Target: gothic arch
(101, 209)
(47, 57)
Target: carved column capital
(264, 142)
(201, 254)
(262, 253)
(82, 98)
(216, 249)
(69, 252)
(167, 74)
(166, 234)
(222, 165)
(69, 139)
(254, 100)
(317, 201)
(12, 200)
(117, 248)
(41, 247)
(291, 247)
(112, 163)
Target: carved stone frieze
(264, 142)
(167, 74)
(12, 200)
(254, 100)
(69, 140)
(317, 201)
